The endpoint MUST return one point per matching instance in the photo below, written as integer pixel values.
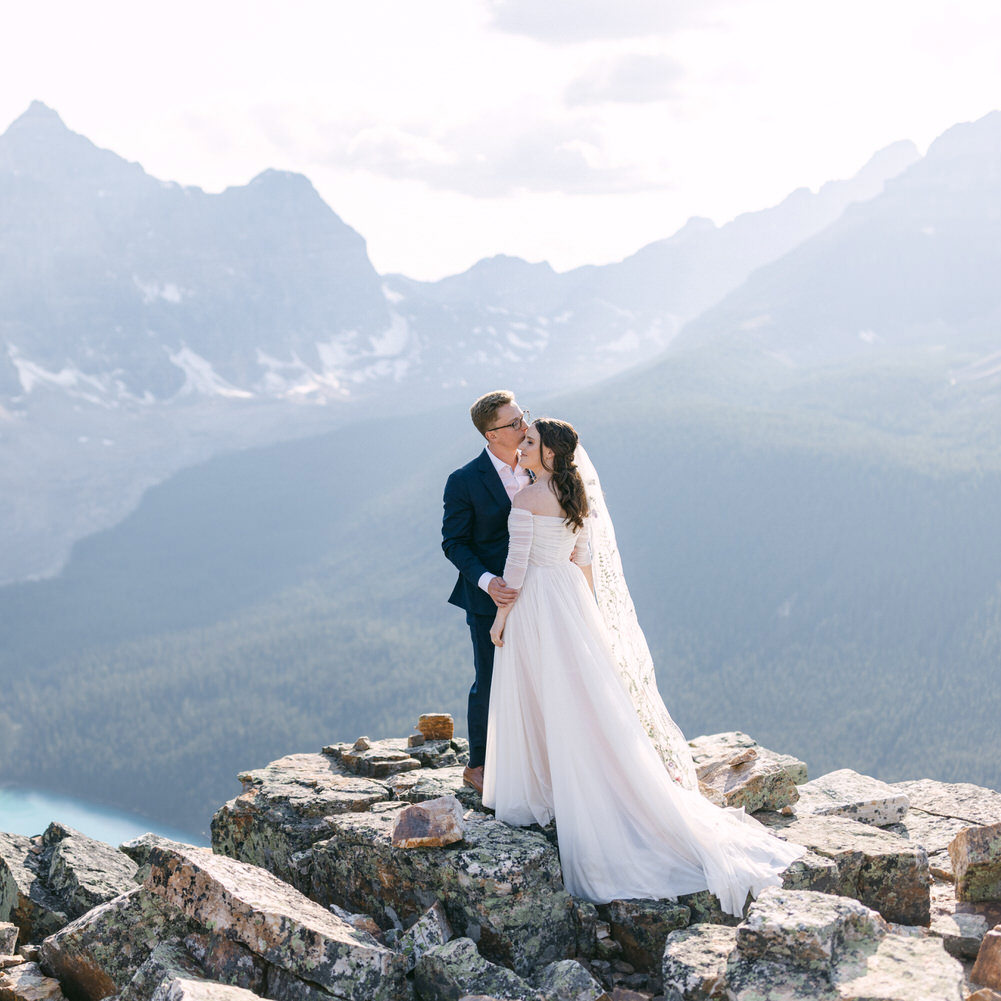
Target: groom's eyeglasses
(525, 418)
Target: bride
(577, 729)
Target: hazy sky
(448, 130)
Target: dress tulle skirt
(564, 741)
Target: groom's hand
(500, 592)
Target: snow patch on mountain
(200, 377)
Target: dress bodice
(541, 540)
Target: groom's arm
(457, 531)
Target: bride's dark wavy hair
(566, 481)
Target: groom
(474, 537)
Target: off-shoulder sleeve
(582, 547)
(520, 525)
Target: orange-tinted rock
(28, 983)
(987, 969)
(436, 726)
(431, 824)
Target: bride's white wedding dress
(564, 740)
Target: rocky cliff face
(307, 894)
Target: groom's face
(511, 427)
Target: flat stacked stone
(961, 925)
(375, 759)
(847, 793)
(417, 786)
(436, 726)
(737, 771)
(286, 807)
(501, 886)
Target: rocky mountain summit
(308, 893)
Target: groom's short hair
(484, 410)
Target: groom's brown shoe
(473, 777)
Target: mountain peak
(39, 115)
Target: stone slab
(975, 804)
(847, 793)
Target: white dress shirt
(513, 480)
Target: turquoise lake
(28, 811)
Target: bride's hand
(497, 634)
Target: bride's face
(530, 453)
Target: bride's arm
(519, 527)
(582, 554)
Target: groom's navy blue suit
(474, 537)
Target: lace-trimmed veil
(629, 645)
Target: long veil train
(632, 655)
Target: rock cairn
(368, 871)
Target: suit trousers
(479, 695)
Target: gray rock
(641, 927)
(84, 872)
(139, 849)
(227, 961)
(421, 785)
(441, 753)
(285, 808)
(380, 759)
(961, 925)
(251, 906)
(737, 772)
(168, 960)
(567, 980)
(25, 900)
(451, 971)
(846, 793)
(191, 989)
(501, 887)
(8, 938)
(283, 986)
(812, 872)
(430, 930)
(102, 950)
(961, 800)
(695, 962)
(933, 833)
(586, 925)
(882, 870)
(806, 929)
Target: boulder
(704, 906)
(961, 925)
(976, 805)
(846, 793)
(192, 989)
(25, 900)
(451, 971)
(286, 807)
(694, 963)
(976, 862)
(933, 833)
(501, 887)
(102, 950)
(987, 969)
(378, 759)
(168, 960)
(139, 849)
(806, 929)
(430, 930)
(567, 980)
(882, 870)
(227, 961)
(436, 726)
(8, 938)
(27, 982)
(251, 906)
(641, 927)
(433, 823)
(441, 753)
(736, 771)
(424, 784)
(812, 872)
(84, 872)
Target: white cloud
(638, 78)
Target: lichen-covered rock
(641, 927)
(987, 969)
(27, 982)
(962, 800)
(586, 924)
(424, 784)
(704, 907)
(101, 951)
(441, 753)
(25, 900)
(283, 986)
(933, 833)
(8, 938)
(846, 793)
(272, 919)
(431, 824)
(450, 971)
(430, 930)
(693, 967)
(976, 862)
(806, 929)
(501, 887)
(168, 959)
(227, 961)
(742, 773)
(380, 759)
(138, 849)
(812, 872)
(883, 870)
(567, 980)
(286, 807)
(84, 872)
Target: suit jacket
(474, 531)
